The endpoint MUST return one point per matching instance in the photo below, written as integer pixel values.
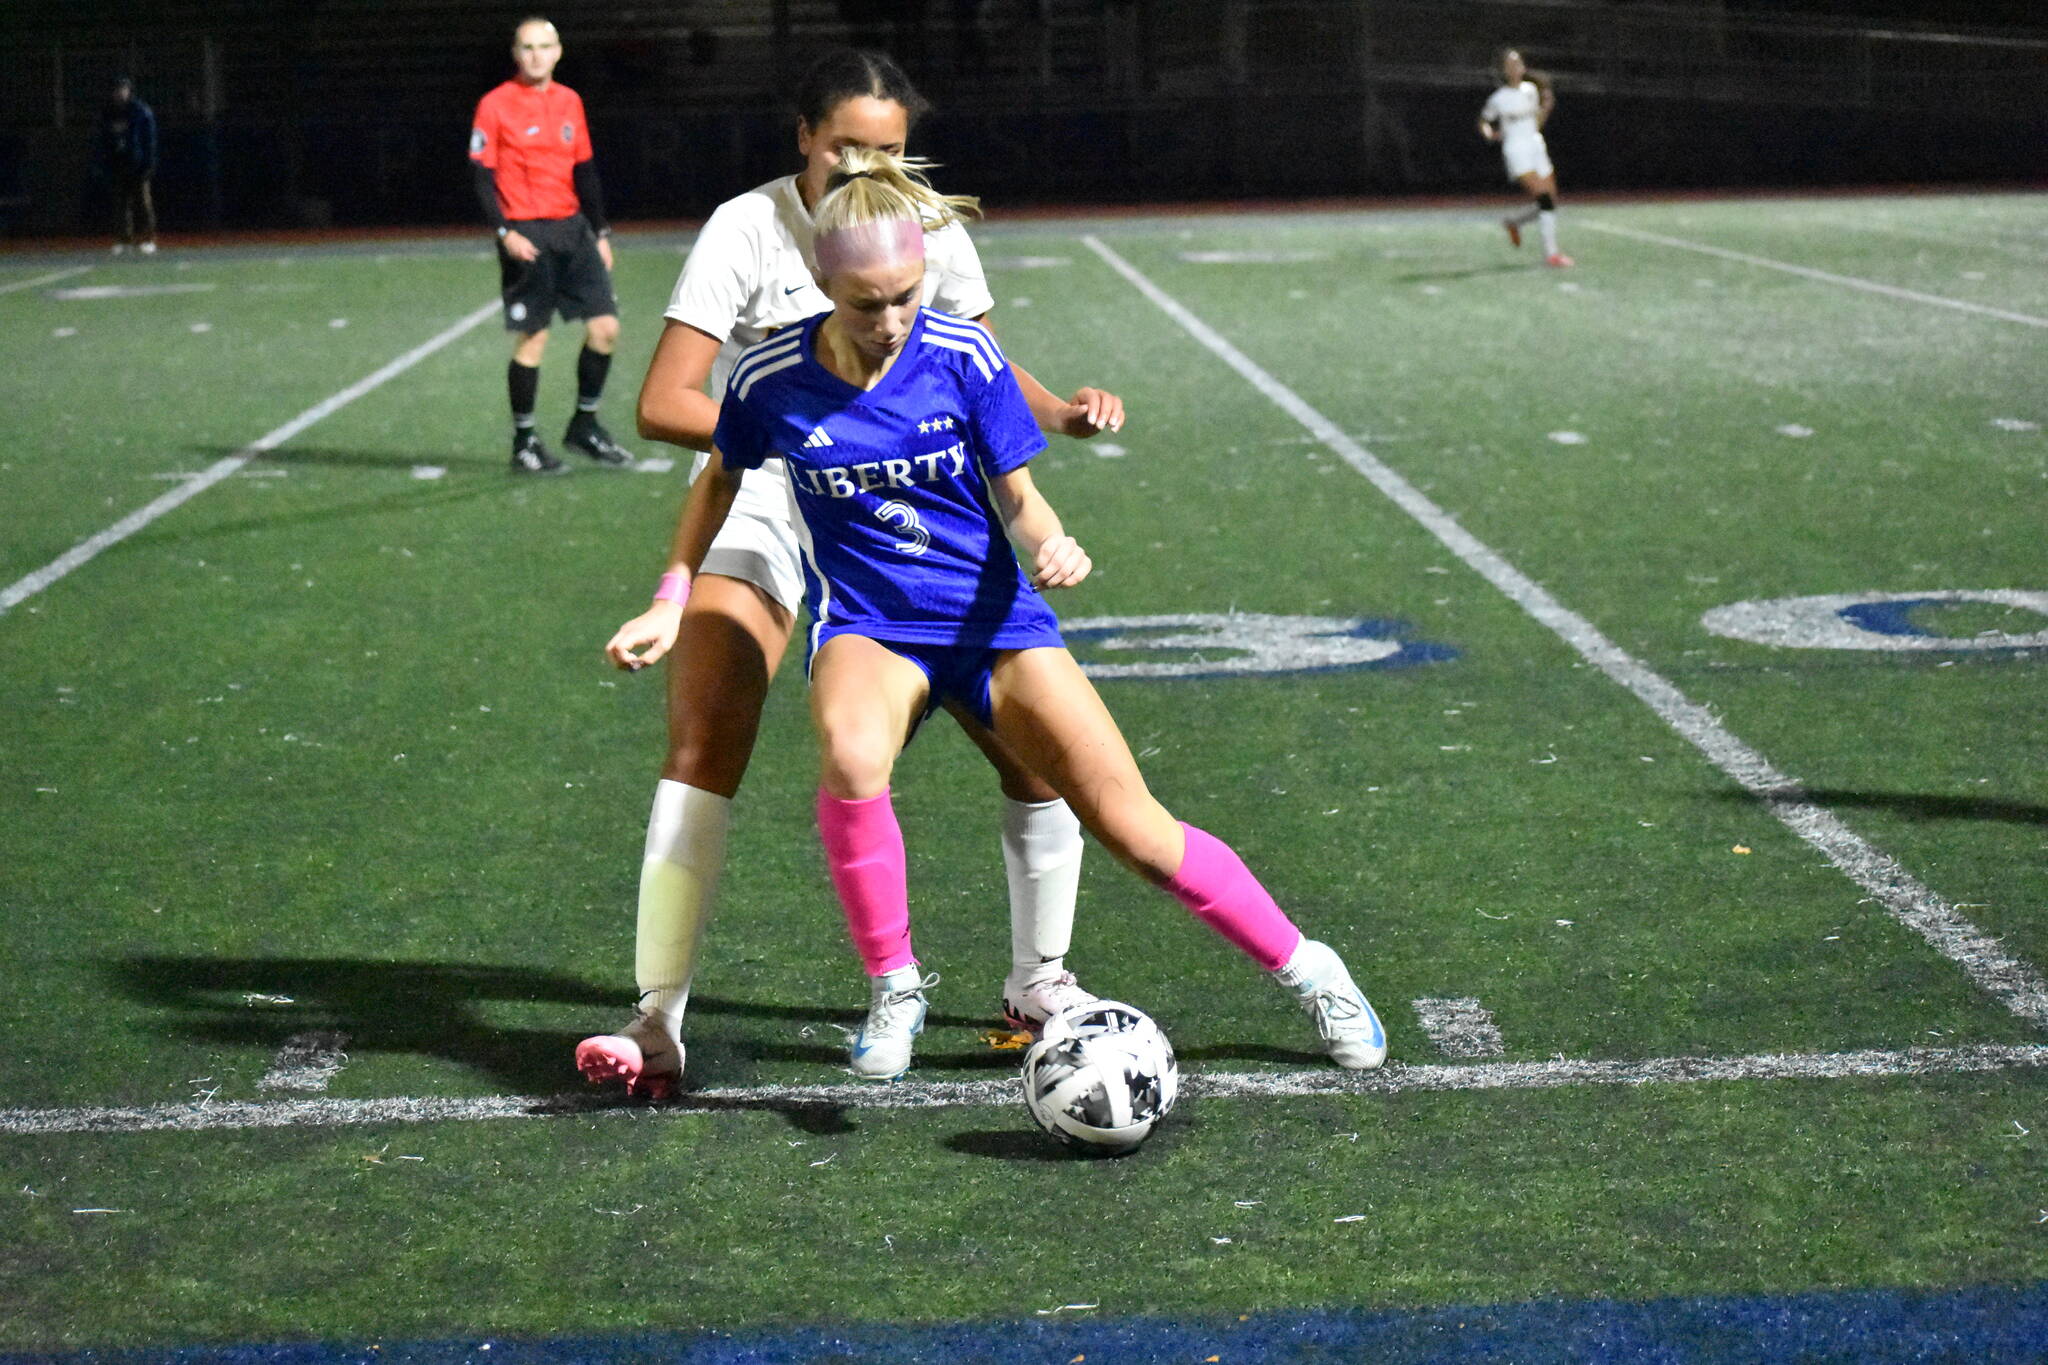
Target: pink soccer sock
(864, 850)
(1219, 890)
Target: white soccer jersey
(746, 276)
(1514, 108)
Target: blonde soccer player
(747, 276)
(1514, 117)
(906, 435)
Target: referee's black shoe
(529, 456)
(586, 435)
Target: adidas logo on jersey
(817, 439)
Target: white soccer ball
(1100, 1077)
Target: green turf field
(329, 749)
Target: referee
(530, 148)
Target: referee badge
(477, 140)
(568, 133)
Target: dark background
(315, 113)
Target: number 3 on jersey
(903, 517)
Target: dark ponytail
(848, 73)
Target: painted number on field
(1239, 643)
(1880, 620)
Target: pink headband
(864, 244)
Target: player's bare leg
(1042, 862)
(864, 700)
(1543, 189)
(1048, 712)
(731, 642)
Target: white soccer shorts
(762, 551)
(1525, 154)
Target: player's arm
(590, 200)
(1055, 558)
(673, 405)
(653, 632)
(1488, 128)
(483, 161)
(1089, 411)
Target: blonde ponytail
(872, 186)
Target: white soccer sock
(678, 891)
(1042, 855)
(1546, 220)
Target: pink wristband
(674, 587)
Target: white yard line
(20, 591)
(2013, 983)
(50, 278)
(1808, 272)
(1393, 1079)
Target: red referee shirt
(532, 137)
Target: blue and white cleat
(881, 1050)
(1345, 1021)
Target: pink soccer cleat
(1557, 260)
(641, 1054)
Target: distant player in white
(1514, 117)
(746, 277)
(906, 437)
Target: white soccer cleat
(896, 1011)
(1028, 1006)
(147, 248)
(642, 1054)
(1345, 1021)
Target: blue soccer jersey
(901, 540)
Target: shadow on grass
(1915, 805)
(420, 1008)
(430, 1009)
(1470, 272)
(1015, 1144)
(1027, 1142)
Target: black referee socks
(591, 369)
(522, 384)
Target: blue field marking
(1988, 1325)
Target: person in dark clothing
(126, 147)
(530, 155)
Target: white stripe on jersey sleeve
(952, 327)
(980, 361)
(761, 372)
(762, 352)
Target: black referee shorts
(568, 277)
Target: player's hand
(652, 634)
(1090, 411)
(520, 247)
(604, 252)
(1060, 563)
